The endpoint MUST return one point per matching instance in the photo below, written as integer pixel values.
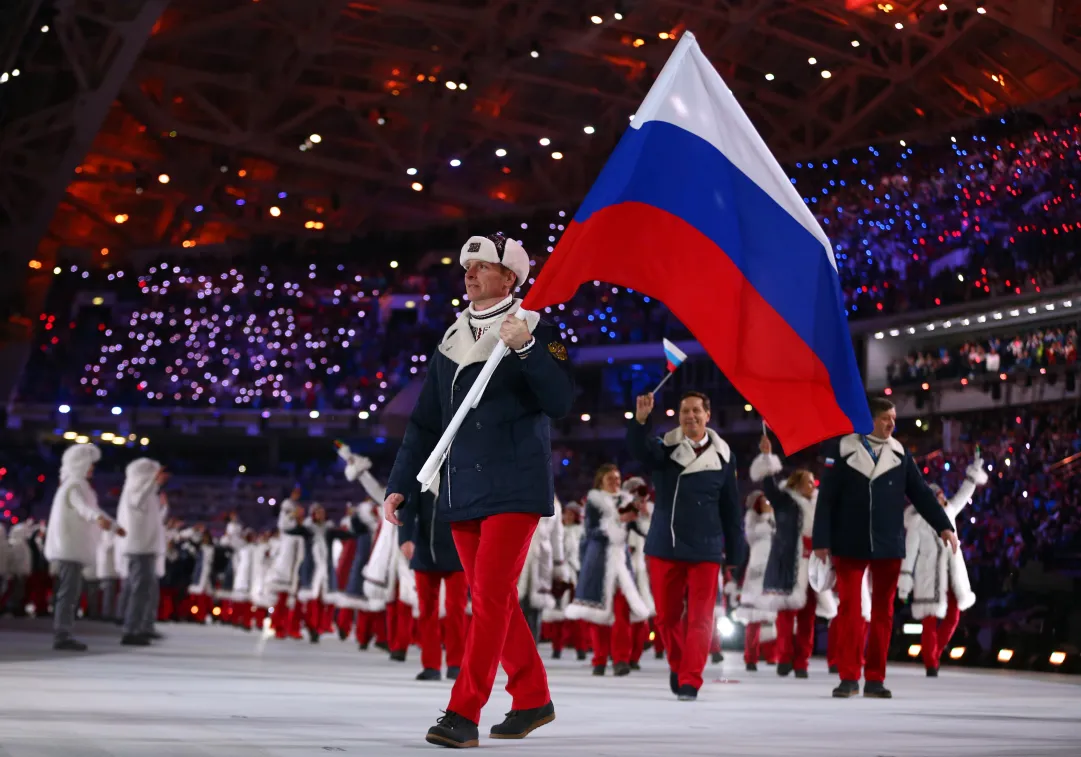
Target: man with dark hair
(496, 480)
(695, 527)
(860, 522)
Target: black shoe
(454, 731)
(598, 670)
(69, 645)
(847, 689)
(833, 670)
(620, 669)
(135, 640)
(635, 666)
(429, 674)
(581, 655)
(398, 656)
(932, 672)
(875, 690)
(313, 637)
(362, 646)
(658, 654)
(557, 653)
(382, 645)
(521, 723)
(155, 636)
(343, 634)
(687, 693)
(452, 672)
(716, 658)
(802, 674)
(752, 667)
(673, 682)
(784, 669)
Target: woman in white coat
(544, 568)
(20, 565)
(568, 633)
(140, 513)
(936, 578)
(754, 609)
(69, 542)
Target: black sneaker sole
(846, 694)
(877, 695)
(432, 738)
(534, 726)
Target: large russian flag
(694, 210)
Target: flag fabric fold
(694, 210)
(673, 355)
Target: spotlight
(585, 417)
(116, 411)
(64, 409)
(275, 211)
(313, 414)
(544, 141)
(557, 155)
(589, 130)
(417, 186)
(770, 77)
(534, 54)
(826, 74)
(957, 653)
(163, 178)
(1057, 658)
(596, 19)
(411, 171)
(452, 85)
(501, 153)
(315, 139)
(454, 163)
(1005, 655)
(914, 650)
(725, 627)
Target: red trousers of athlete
(639, 637)
(259, 615)
(937, 633)
(677, 584)
(493, 551)
(287, 619)
(167, 605)
(369, 625)
(399, 626)
(616, 640)
(570, 633)
(852, 628)
(796, 633)
(452, 633)
(200, 607)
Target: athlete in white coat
(69, 542)
(935, 577)
(140, 513)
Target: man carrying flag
(495, 482)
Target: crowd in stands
(1037, 348)
(979, 216)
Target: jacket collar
(807, 505)
(459, 346)
(856, 456)
(714, 458)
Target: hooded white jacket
(139, 512)
(75, 510)
(19, 556)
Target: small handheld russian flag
(674, 357)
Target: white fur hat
(496, 248)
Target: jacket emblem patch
(559, 352)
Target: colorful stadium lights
(1005, 655)
(1057, 658)
(914, 650)
(957, 653)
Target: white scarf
(481, 321)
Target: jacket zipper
(675, 497)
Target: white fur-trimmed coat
(931, 570)
(759, 532)
(637, 543)
(544, 563)
(614, 571)
(572, 543)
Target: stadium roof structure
(149, 123)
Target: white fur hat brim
(498, 249)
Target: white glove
(355, 465)
(904, 586)
(977, 472)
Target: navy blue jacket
(433, 543)
(861, 503)
(501, 459)
(696, 514)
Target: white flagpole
(666, 377)
(472, 397)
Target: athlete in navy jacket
(695, 527)
(496, 481)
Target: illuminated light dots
(769, 77)
(35, 264)
(586, 417)
(452, 85)
(981, 10)
(163, 178)
(664, 35)
(588, 129)
(314, 225)
(500, 152)
(957, 653)
(534, 53)
(1057, 658)
(943, 7)
(557, 155)
(544, 141)
(417, 186)
(855, 43)
(394, 264)
(315, 139)
(411, 171)
(121, 218)
(446, 261)
(812, 61)
(826, 74)
(898, 26)
(639, 42)
(275, 211)
(596, 19)
(455, 162)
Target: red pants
(673, 583)
(369, 624)
(453, 625)
(639, 636)
(201, 606)
(493, 551)
(259, 615)
(937, 633)
(831, 643)
(851, 626)
(570, 633)
(752, 648)
(167, 605)
(286, 618)
(615, 640)
(800, 624)
(399, 626)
